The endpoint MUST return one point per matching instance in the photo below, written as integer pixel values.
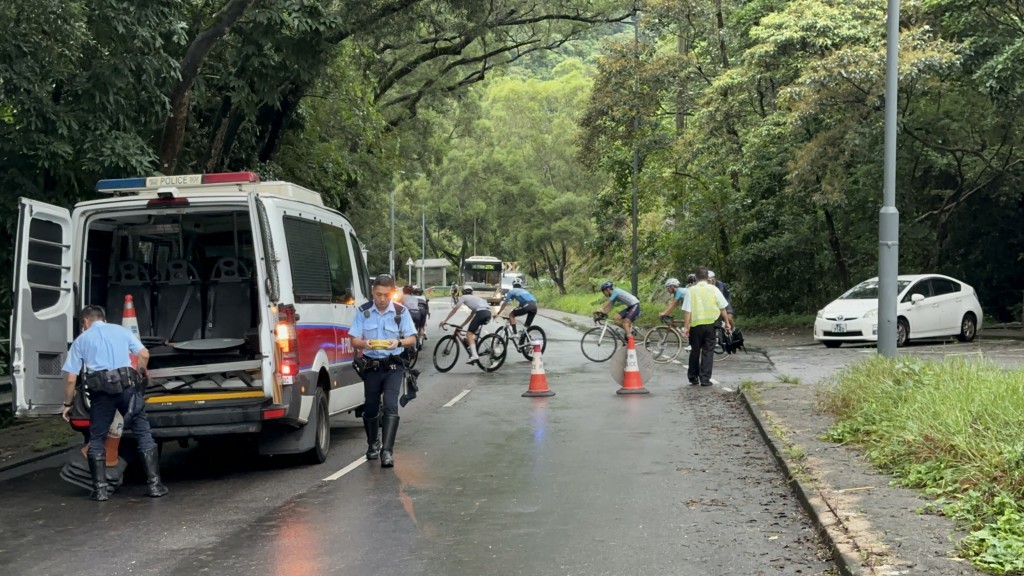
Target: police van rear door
(43, 307)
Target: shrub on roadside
(952, 429)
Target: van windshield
(868, 290)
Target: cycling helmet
(606, 285)
(467, 290)
(711, 274)
(417, 291)
(517, 284)
(691, 279)
(406, 289)
(672, 283)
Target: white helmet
(711, 274)
(672, 283)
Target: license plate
(839, 327)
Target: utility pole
(391, 255)
(423, 251)
(636, 150)
(889, 216)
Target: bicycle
(522, 341)
(600, 343)
(665, 342)
(446, 351)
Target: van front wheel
(322, 432)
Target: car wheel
(902, 333)
(832, 344)
(322, 433)
(968, 328)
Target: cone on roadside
(538, 380)
(631, 382)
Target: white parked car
(928, 306)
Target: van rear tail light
(80, 423)
(274, 413)
(287, 343)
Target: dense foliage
(510, 127)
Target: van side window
(307, 258)
(363, 277)
(341, 265)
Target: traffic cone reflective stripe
(538, 380)
(631, 382)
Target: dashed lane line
(456, 399)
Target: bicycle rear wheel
(446, 353)
(720, 342)
(533, 334)
(492, 353)
(663, 343)
(599, 344)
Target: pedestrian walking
(381, 329)
(112, 386)
(703, 305)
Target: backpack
(734, 342)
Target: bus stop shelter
(429, 272)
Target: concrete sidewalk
(872, 527)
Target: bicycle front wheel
(446, 353)
(599, 344)
(663, 343)
(492, 353)
(533, 334)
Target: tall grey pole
(636, 152)
(391, 255)
(889, 217)
(423, 250)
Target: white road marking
(346, 469)
(456, 399)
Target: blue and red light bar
(183, 180)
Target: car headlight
(871, 313)
(821, 313)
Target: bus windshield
(477, 270)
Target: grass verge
(952, 429)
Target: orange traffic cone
(631, 383)
(538, 381)
(128, 319)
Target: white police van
(243, 291)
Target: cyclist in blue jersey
(678, 294)
(617, 295)
(527, 306)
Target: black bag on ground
(734, 341)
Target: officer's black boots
(151, 466)
(372, 426)
(390, 428)
(98, 470)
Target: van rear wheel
(322, 433)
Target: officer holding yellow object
(381, 329)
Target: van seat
(131, 278)
(229, 299)
(179, 316)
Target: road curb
(37, 457)
(828, 526)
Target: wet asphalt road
(677, 482)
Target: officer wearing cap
(383, 370)
(112, 385)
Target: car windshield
(868, 290)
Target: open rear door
(43, 307)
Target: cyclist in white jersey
(479, 314)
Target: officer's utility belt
(364, 365)
(110, 381)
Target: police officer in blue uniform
(383, 371)
(112, 386)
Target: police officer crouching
(385, 323)
(113, 386)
